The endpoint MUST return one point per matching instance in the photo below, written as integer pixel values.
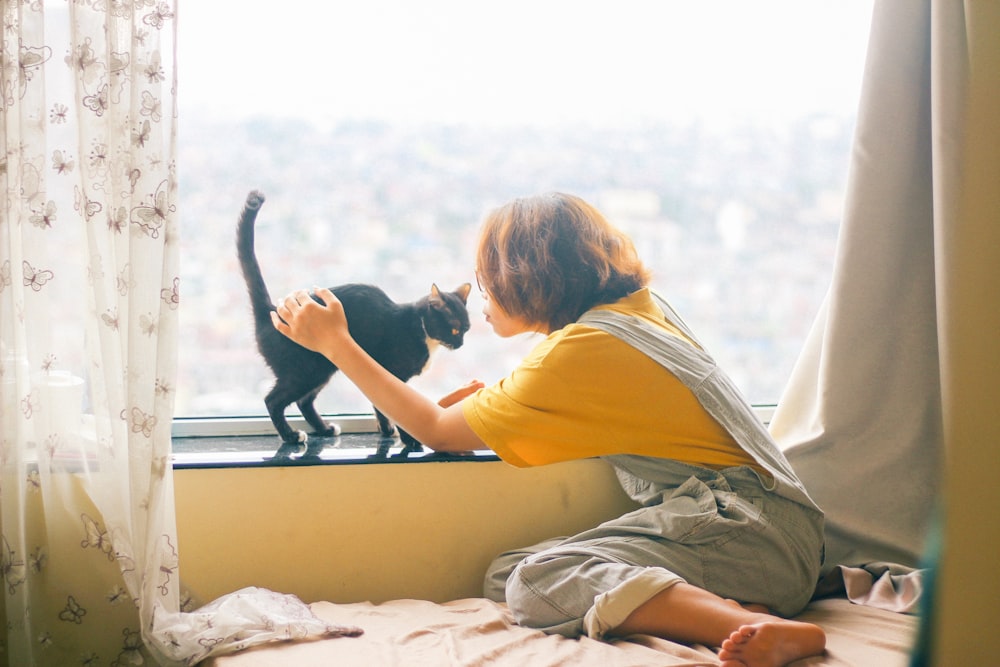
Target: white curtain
(89, 304)
(863, 416)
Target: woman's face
(504, 325)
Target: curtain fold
(863, 416)
(89, 305)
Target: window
(717, 134)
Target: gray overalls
(727, 531)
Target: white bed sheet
(475, 631)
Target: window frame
(259, 425)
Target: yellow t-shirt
(583, 393)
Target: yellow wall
(349, 533)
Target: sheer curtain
(89, 304)
(863, 418)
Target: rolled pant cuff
(611, 608)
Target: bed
(422, 608)
(476, 631)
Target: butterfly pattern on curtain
(89, 563)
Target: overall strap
(716, 392)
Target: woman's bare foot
(750, 606)
(772, 643)
(747, 634)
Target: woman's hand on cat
(312, 325)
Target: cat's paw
(331, 430)
(410, 445)
(292, 447)
(296, 444)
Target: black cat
(398, 336)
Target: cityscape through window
(717, 134)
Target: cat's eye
(454, 332)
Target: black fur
(395, 335)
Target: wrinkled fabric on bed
(476, 631)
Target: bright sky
(521, 60)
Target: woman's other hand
(465, 390)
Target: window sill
(253, 451)
(244, 442)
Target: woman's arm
(323, 329)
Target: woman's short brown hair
(550, 258)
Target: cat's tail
(260, 299)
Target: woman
(726, 542)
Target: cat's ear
(463, 292)
(435, 294)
